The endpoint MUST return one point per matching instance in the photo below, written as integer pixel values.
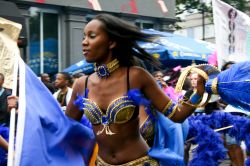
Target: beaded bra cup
(119, 111)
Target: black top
(4, 114)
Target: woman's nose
(84, 41)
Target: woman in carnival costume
(111, 96)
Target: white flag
(232, 31)
(9, 32)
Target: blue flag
(45, 136)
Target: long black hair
(227, 65)
(126, 36)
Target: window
(144, 25)
(43, 41)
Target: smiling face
(97, 47)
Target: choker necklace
(103, 71)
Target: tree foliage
(190, 5)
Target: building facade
(193, 26)
(54, 28)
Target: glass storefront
(43, 41)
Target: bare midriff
(125, 145)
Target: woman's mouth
(85, 52)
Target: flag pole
(13, 112)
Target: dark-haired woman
(110, 97)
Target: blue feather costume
(233, 85)
(211, 150)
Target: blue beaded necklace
(103, 71)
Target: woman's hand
(12, 102)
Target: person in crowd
(107, 97)
(45, 78)
(4, 93)
(168, 90)
(158, 75)
(63, 95)
(193, 80)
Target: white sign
(232, 32)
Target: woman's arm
(180, 110)
(3, 143)
(72, 110)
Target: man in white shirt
(63, 95)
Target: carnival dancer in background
(110, 97)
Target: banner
(9, 32)
(45, 135)
(232, 31)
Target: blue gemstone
(105, 120)
(102, 71)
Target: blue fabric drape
(169, 138)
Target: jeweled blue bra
(120, 110)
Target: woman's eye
(92, 35)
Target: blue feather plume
(234, 85)
(210, 148)
(199, 129)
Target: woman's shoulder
(82, 79)
(138, 71)
(139, 76)
(80, 83)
